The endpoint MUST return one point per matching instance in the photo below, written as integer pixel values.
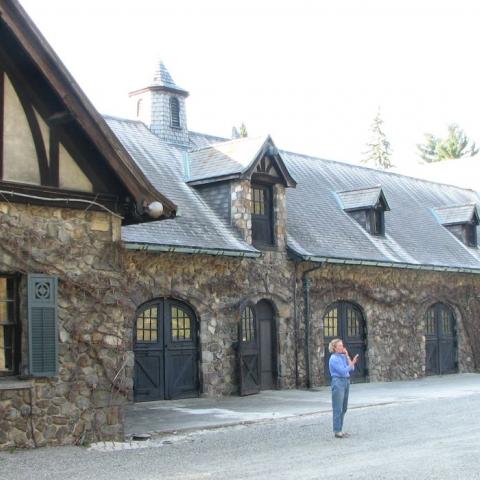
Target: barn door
(181, 375)
(149, 378)
(440, 341)
(166, 352)
(345, 320)
(248, 355)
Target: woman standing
(340, 365)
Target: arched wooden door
(166, 352)
(345, 320)
(440, 341)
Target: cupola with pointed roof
(161, 106)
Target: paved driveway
(169, 416)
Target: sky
(311, 73)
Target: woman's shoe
(339, 435)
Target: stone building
(67, 186)
(269, 256)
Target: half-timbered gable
(53, 142)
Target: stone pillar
(241, 208)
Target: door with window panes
(440, 341)
(166, 352)
(345, 320)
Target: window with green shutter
(42, 325)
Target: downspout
(296, 332)
(306, 309)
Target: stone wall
(216, 287)
(394, 303)
(101, 285)
(83, 402)
(241, 208)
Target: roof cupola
(161, 106)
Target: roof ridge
(123, 119)
(226, 141)
(363, 167)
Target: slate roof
(196, 226)
(318, 227)
(200, 140)
(457, 214)
(362, 198)
(226, 158)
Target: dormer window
(367, 206)
(461, 221)
(174, 112)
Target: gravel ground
(432, 439)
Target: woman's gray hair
(333, 344)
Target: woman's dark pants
(340, 388)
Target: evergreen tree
(455, 145)
(243, 131)
(379, 150)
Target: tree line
(455, 144)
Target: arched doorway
(345, 320)
(165, 348)
(257, 348)
(440, 340)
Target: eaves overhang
(383, 264)
(155, 248)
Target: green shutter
(42, 325)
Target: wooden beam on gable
(79, 107)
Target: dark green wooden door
(166, 352)
(345, 320)
(248, 353)
(440, 341)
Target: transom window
(174, 112)
(147, 325)
(181, 325)
(248, 325)
(9, 329)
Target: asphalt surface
(417, 437)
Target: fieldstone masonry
(241, 201)
(101, 285)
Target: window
(9, 327)
(181, 325)
(471, 235)
(248, 325)
(174, 112)
(147, 325)
(262, 221)
(377, 221)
